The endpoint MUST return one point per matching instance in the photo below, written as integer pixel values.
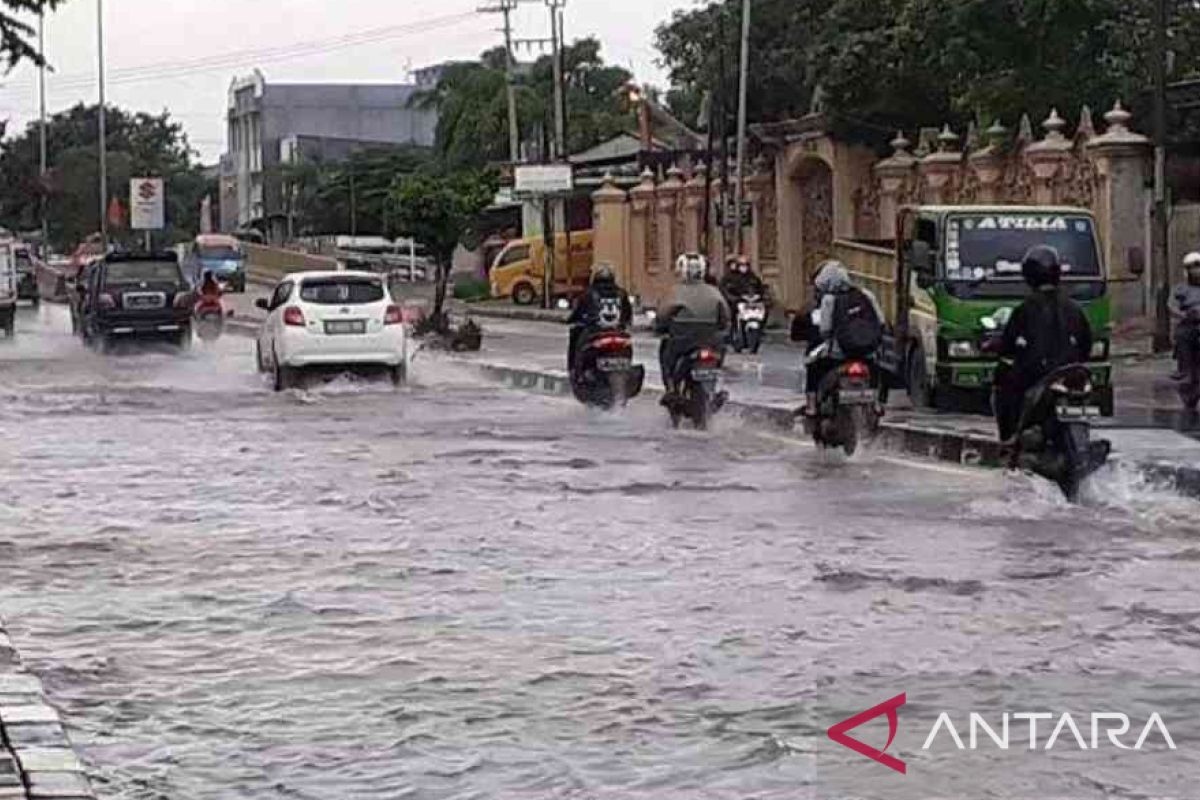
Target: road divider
(37, 761)
(916, 438)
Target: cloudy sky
(180, 55)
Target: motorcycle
(209, 314)
(1054, 438)
(697, 376)
(849, 404)
(604, 374)
(751, 317)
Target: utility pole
(556, 44)
(743, 79)
(1161, 272)
(506, 7)
(102, 125)
(43, 161)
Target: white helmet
(1191, 261)
(691, 267)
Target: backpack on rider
(857, 328)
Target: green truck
(952, 266)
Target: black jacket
(1047, 331)
(735, 285)
(600, 294)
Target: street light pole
(102, 125)
(43, 159)
(1161, 269)
(740, 189)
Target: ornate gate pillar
(1122, 208)
(988, 166)
(1049, 160)
(895, 176)
(693, 210)
(641, 229)
(611, 236)
(940, 170)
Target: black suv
(136, 295)
(27, 279)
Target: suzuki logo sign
(838, 732)
(146, 202)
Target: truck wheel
(920, 392)
(524, 294)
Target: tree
(438, 210)
(16, 34)
(139, 144)
(472, 107)
(888, 64)
(326, 197)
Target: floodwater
(460, 591)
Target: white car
(330, 320)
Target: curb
(37, 761)
(907, 438)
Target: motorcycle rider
(1185, 307)
(1048, 331)
(210, 290)
(831, 285)
(696, 304)
(603, 300)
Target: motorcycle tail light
(707, 356)
(610, 343)
(857, 369)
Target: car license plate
(705, 375)
(341, 327)
(613, 364)
(147, 300)
(856, 396)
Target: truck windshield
(984, 251)
(992, 246)
(218, 253)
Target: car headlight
(963, 349)
(1100, 350)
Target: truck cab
(954, 266)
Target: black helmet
(1041, 266)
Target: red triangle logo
(838, 732)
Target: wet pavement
(457, 591)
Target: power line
(178, 69)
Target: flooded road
(458, 591)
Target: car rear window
(143, 272)
(341, 291)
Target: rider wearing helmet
(604, 304)
(833, 289)
(1048, 331)
(1185, 307)
(695, 305)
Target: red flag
(116, 214)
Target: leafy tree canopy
(473, 108)
(139, 145)
(888, 64)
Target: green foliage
(318, 196)
(472, 104)
(438, 210)
(888, 64)
(138, 145)
(471, 289)
(17, 41)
